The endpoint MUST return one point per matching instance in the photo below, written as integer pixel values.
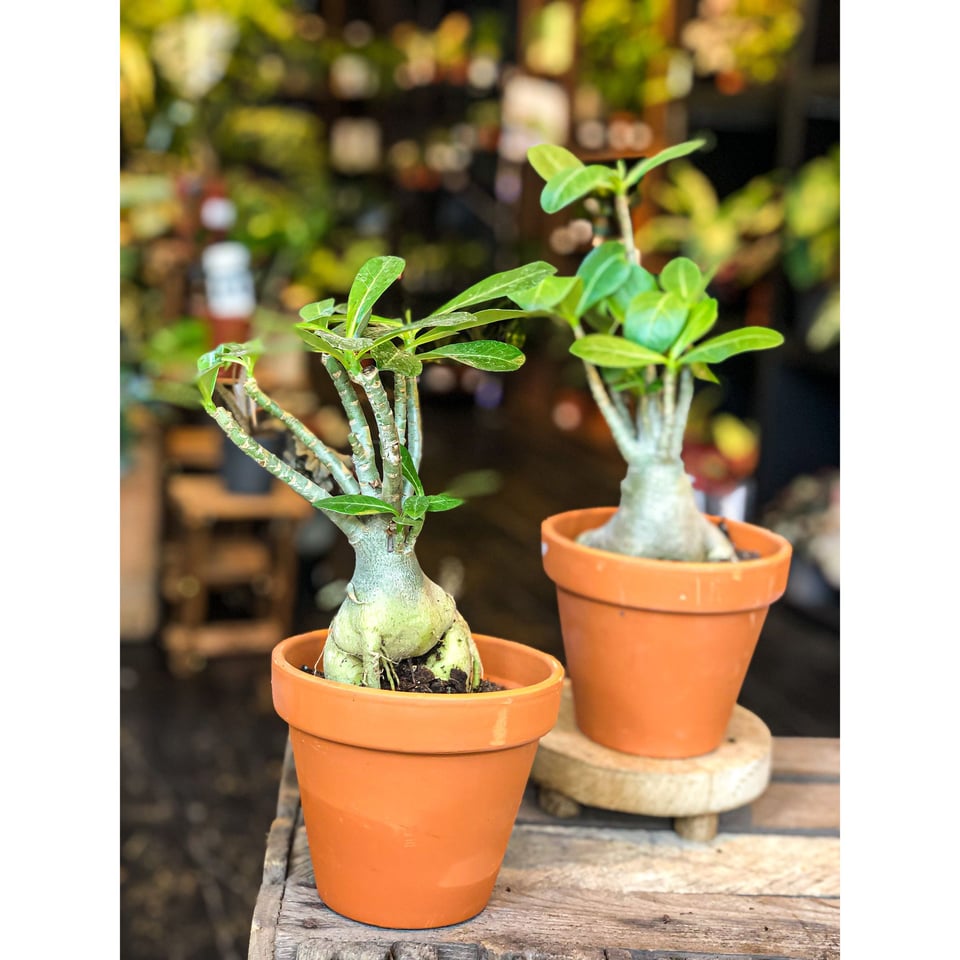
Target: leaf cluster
(640, 320)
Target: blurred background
(268, 148)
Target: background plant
(643, 341)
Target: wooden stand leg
(556, 804)
(700, 828)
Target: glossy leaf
(703, 316)
(638, 280)
(372, 279)
(548, 159)
(501, 284)
(356, 505)
(334, 341)
(409, 469)
(386, 332)
(655, 319)
(570, 185)
(664, 156)
(481, 318)
(702, 372)
(482, 354)
(438, 502)
(545, 295)
(416, 506)
(682, 277)
(314, 311)
(605, 350)
(602, 270)
(736, 341)
(391, 357)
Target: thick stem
(684, 400)
(392, 488)
(344, 479)
(306, 488)
(393, 611)
(658, 518)
(620, 426)
(669, 408)
(625, 222)
(360, 440)
(414, 421)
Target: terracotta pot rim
(353, 692)
(782, 546)
(671, 586)
(423, 723)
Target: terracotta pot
(657, 650)
(409, 799)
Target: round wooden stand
(570, 770)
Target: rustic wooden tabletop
(603, 885)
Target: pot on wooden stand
(657, 650)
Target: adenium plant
(392, 611)
(643, 340)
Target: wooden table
(604, 885)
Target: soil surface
(412, 676)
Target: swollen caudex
(386, 619)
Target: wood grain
(738, 771)
(766, 887)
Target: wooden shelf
(189, 647)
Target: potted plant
(413, 737)
(660, 605)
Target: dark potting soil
(410, 676)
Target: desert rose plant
(641, 338)
(392, 611)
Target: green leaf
(702, 372)
(223, 355)
(356, 505)
(638, 280)
(703, 316)
(416, 506)
(500, 285)
(732, 343)
(314, 311)
(391, 357)
(602, 270)
(571, 184)
(368, 285)
(682, 277)
(439, 502)
(664, 156)
(604, 350)
(481, 318)
(452, 320)
(549, 159)
(409, 469)
(655, 319)
(326, 338)
(545, 295)
(483, 354)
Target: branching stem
(304, 486)
(360, 441)
(344, 479)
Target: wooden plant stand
(571, 770)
